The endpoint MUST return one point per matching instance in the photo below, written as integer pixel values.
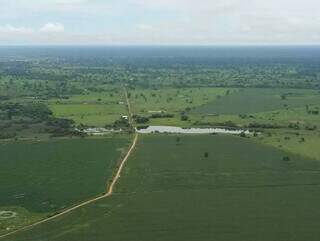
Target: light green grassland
(280, 117)
(213, 106)
(300, 142)
(88, 114)
(93, 109)
(249, 101)
(43, 177)
(292, 115)
(170, 190)
(171, 100)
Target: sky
(159, 22)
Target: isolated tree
(206, 154)
(184, 117)
(286, 158)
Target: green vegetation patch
(171, 100)
(87, 114)
(247, 101)
(211, 187)
(92, 109)
(300, 142)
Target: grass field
(93, 109)
(172, 100)
(304, 143)
(213, 106)
(248, 101)
(40, 178)
(171, 191)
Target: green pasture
(89, 114)
(171, 100)
(300, 142)
(250, 101)
(94, 109)
(293, 115)
(216, 106)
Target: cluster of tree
(161, 115)
(121, 123)
(145, 119)
(35, 111)
(286, 158)
(310, 127)
(140, 119)
(141, 127)
(7, 135)
(313, 112)
(184, 117)
(227, 124)
(245, 116)
(25, 115)
(297, 126)
(60, 127)
(256, 125)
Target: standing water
(179, 130)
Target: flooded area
(179, 130)
(98, 131)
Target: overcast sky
(195, 22)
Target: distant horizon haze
(159, 22)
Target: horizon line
(166, 45)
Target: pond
(179, 130)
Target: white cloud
(52, 28)
(9, 29)
(161, 21)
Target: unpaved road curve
(107, 194)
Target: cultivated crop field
(39, 178)
(194, 188)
